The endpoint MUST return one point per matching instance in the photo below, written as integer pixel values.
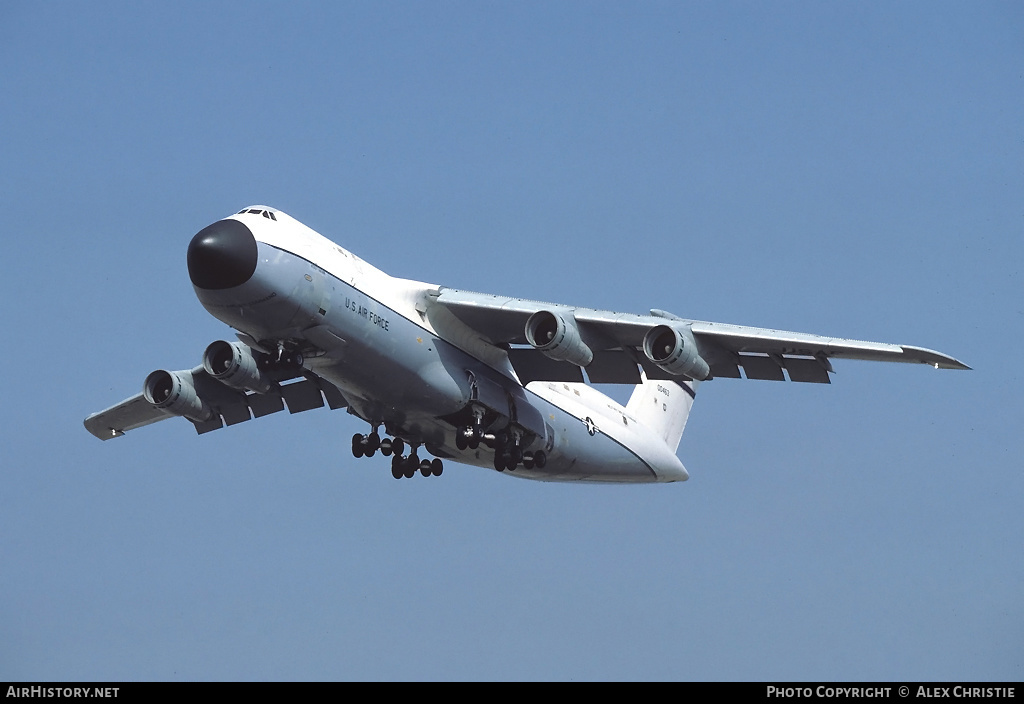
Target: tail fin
(663, 406)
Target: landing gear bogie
(509, 458)
(365, 445)
(469, 437)
(401, 466)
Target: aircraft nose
(222, 255)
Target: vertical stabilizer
(663, 407)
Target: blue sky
(849, 169)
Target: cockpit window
(257, 211)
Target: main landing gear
(507, 445)
(407, 466)
(470, 436)
(510, 459)
(367, 446)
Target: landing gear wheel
(398, 446)
(385, 447)
(540, 459)
(425, 468)
(357, 445)
(499, 461)
(396, 467)
(372, 443)
(436, 467)
(411, 464)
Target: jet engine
(173, 392)
(232, 364)
(674, 350)
(558, 338)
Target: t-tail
(663, 407)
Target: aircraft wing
(130, 414)
(617, 339)
(230, 406)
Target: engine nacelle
(558, 338)
(674, 350)
(232, 364)
(173, 392)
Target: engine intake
(558, 338)
(232, 364)
(173, 392)
(674, 350)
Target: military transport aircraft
(479, 379)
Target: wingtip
(932, 358)
(97, 429)
(948, 362)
